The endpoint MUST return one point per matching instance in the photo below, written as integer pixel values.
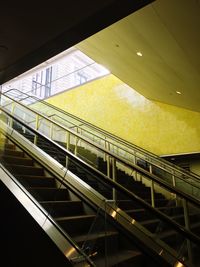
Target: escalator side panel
(23, 242)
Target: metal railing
(113, 155)
(186, 200)
(108, 141)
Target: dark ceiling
(32, 32)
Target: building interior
(105, 173)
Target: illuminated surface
(157, 127)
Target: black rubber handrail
(181, 229)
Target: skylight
(60, 73)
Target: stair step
(142, 194)
(127, 258)
(95, 236)
(10, 152)
(169, 236)
(36, 181)
(63, 208)
(143, 214)
(3, 141)
(155, 225)
(7, 146)
(18, 160)
(21, 169)
(76, 225)
(126, 204)
(49, 194)
(139, 214)
(99, 242)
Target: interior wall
(117, 108)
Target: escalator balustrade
(163, 201)
(105, 244)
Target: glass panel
(90, 228)
(145, 192)
(160, 167)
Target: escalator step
(18, 160)
(76, 225)
(63, 208)
(21, 169)
(126, 258)
(49, 194)
(10, 152)
(36, 181)
(7, 146)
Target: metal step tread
(85, 216)
(60, 201)
(117, 258)
(94, 236)
(23, 176)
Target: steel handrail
(181, 229)
(103, 150)
(159, 160)
(160, 245)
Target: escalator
(113, 222)
(90, 229)
(75, 126)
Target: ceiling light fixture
(178, 92)
(139, 54)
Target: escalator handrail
(122, 160)
(112, 136)
(66, 184)
(87, 140)
(159, 214)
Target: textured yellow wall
(117, 108)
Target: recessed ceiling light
(178, 92)
(139, 54)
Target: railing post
(174, 185)
(68, 148)
(12, 113)
(105, 145)
(108, 160)
(36, 128)
(114, 176)
(12, 108)
(51, 131)
(134, 158)
(108, 165)
(24, 120)
(152, 189)
(67, 140)
(76, 145)
(187, 225)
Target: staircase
(83, 223)
(166, 201)
(93, 144)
